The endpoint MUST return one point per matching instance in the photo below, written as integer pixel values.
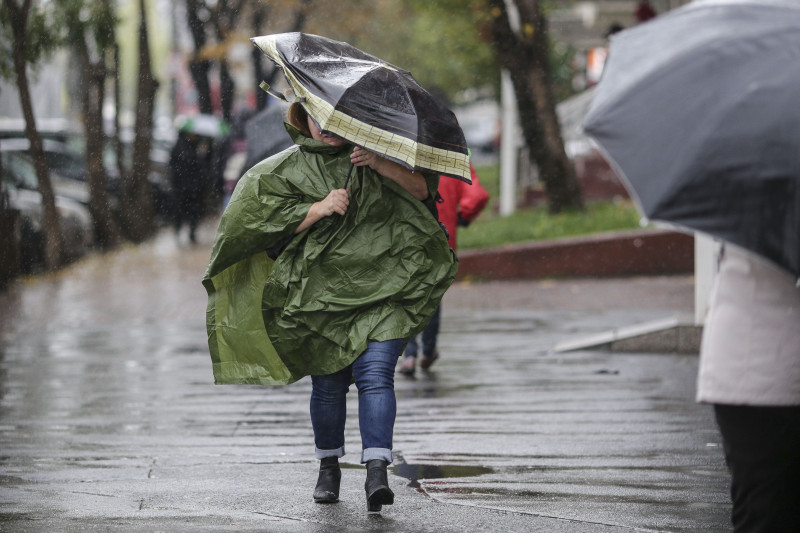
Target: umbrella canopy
(206, 126)
(369, 102)
(699, 110)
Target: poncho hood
(377, 273)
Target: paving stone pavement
(109, 420)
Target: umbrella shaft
(349, 173)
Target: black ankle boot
(377, 486)
(330, 476)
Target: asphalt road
(109, 420)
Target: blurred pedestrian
(189, 181)
(461, 203)
(750, 372)
(644, 11)
(356, 271)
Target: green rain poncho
(377, 273)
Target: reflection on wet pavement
(590, 436)
(418, 472)
(108, 412)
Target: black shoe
(330, 476)
(428, 360)
(377, 486)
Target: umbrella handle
(349, 173)
(264, 86)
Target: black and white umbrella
(369, 103)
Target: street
(110, 421)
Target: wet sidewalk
(109, 420)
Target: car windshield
(66, 164)
(8, 179)
(20, 171)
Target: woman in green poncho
(356, 272)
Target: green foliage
(438, 41)
(102, 20)
(450, 54)
(87, 18)
(41, 36)
(537, 224)
(562, 69)
(446, 45)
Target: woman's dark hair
(298, 117)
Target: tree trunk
(268, 76)
(119, 149)
(137, 196)
(106, 230)
(51, 227)
(199, 68)
(225, 19)
(227, 89)
(9, 247)
(525, 56)
(256, 55)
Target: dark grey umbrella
(699, 110)
(265, 133)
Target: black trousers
(762, 450)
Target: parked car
(67, 169)
(158, 176)
(67, 162)
(20, 188)
(57, 129)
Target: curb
(649, 252)
(670, 335)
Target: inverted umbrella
(699, 110)
(369, 102)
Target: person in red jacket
(461, 204)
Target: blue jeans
(429, 335)
(373, 372)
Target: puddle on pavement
(422, 471)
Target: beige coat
(750, 354)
